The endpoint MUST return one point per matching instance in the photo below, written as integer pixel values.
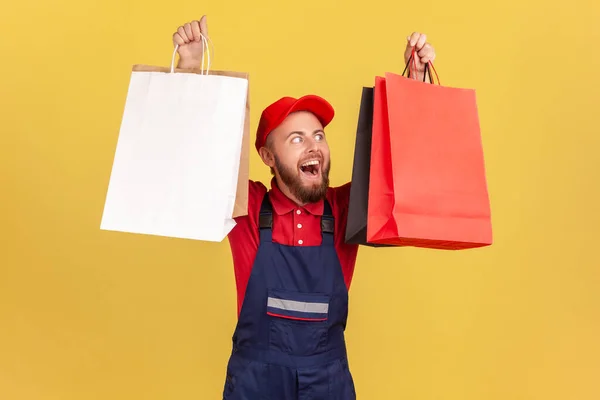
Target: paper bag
(428, 186)
(356, 226)
(181, 163)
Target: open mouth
(311, 169)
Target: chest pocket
(298, 322)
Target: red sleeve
(339, 199)
(244, 239)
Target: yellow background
(89, 314)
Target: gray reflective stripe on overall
(300, 306)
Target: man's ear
(267, 156)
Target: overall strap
(327, 224)
(265, 221)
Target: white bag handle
(205, 50)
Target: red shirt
(292, 226)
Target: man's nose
(311, 145)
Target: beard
(306, 194)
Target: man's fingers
(196, 30)
(184, 36)
(413, 38)
(427, 53)
(188, 31)
(425, 50)
(204, 26)
(177, 39)
(421, 41)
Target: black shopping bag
(356, 228)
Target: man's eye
(319, 137)
(297, 139)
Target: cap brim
(316, 105)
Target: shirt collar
(283, 204)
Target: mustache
(319, 157)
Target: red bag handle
(413, 64)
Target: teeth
(314, 162)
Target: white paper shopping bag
(177, 161)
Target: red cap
(274, 114)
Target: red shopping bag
(427, 181)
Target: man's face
(301, 156)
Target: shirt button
(298, 212)
(299, 226)
(300, 241)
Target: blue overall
(289, 340)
